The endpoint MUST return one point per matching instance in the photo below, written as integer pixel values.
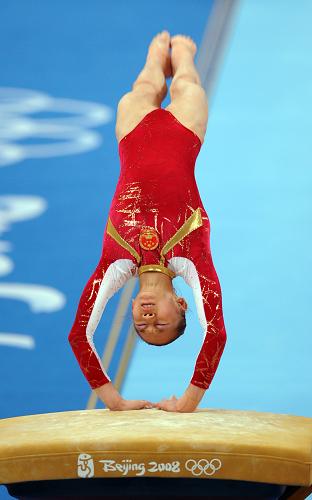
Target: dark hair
(180, 330)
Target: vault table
(210, 452)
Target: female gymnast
(157, 227)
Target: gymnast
(157, 227)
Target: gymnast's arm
(104, 282)
(200, 274)
(208, 297)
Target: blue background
(253, 174)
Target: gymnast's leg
(149, 88)
(157, 68)
(189, 101)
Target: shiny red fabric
(157, 188)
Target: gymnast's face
(156, 315)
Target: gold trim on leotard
(157, 267)
(192, 223)
(112, 231)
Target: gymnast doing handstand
(157, 227)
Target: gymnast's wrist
(195, 393)
(190, 399)
(186, 405)
(109, 395)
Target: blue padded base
(140, 487)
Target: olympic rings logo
(203, 466)
(70, 132)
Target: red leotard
(156, 188)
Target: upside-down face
(157, 315)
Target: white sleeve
(186, 269)
(115, 277)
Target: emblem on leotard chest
(148, 238)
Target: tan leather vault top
(207, 444)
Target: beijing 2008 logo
(196, 467)
(203, 466)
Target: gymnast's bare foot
(181, 47)
(159, 50)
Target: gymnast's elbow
(223, 336)
(72, 338)
(78, 338)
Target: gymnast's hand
(181, 405)
(186, 403)
(115, 402)
(131, 404)
(167, 404)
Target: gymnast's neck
(154, 281)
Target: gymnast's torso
(156, 186)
